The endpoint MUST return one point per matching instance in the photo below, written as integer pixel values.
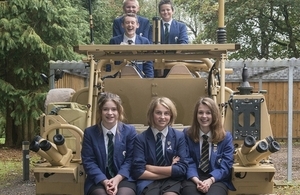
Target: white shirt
(170, 22)
(125, 39)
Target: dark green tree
(31, 34)
(264, 28)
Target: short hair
(167, 103)
(125, 1)
(162, 2)
(105, 97)
(129, 15)
(216, 126)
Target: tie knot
(166, 25)
(158, 135)
(130, 42)
(205, 137)
(110, 135)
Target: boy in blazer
(132, 6)
(105, 173)
(130, 24)
(176, 32)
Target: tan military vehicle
(196, 70)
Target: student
(130, 24)
(172, 31)
(209, 176)
(132, 6)
(108, 174)
(159, 152)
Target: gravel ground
(16, 185)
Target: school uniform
(94, 157)
(220, 162)
(177, 33)
(144, 67)
(143, 30)
(144, 153)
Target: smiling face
(110, 114)
(131, 6)
(166, 12)
(161, 117)
(204, 117)
(130, 24)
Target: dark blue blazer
(221, 159)
(144, 153)
(143, 30)
(147, 66)
(177, 33)
(93, 153)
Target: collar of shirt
(170, 22)
(208, 134)
(164, 132)
(113, 130)
(125, 39)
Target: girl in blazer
(215, 177)
(105, 175)
(159, 162)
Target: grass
(288, 189)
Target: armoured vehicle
(196, 70)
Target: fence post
(25, 148)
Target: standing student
(172, 31)
(107, 151)
(130, 24)
(211, 152)
(132, 6)
(159, 154)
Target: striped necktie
(166, 35)
(204, 162)
(160, 159)
(110, 151)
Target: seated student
(130, 24)
(132, 6)
(210, 150)
(160, 152)
(172, 31)
(107, 150)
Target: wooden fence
(276, 98)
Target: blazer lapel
(170, 146)
(150, 139)
(101, 144)
(173, 32)
(137, 40)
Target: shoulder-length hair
(167, 103)
(105, 97)
(216, 126)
